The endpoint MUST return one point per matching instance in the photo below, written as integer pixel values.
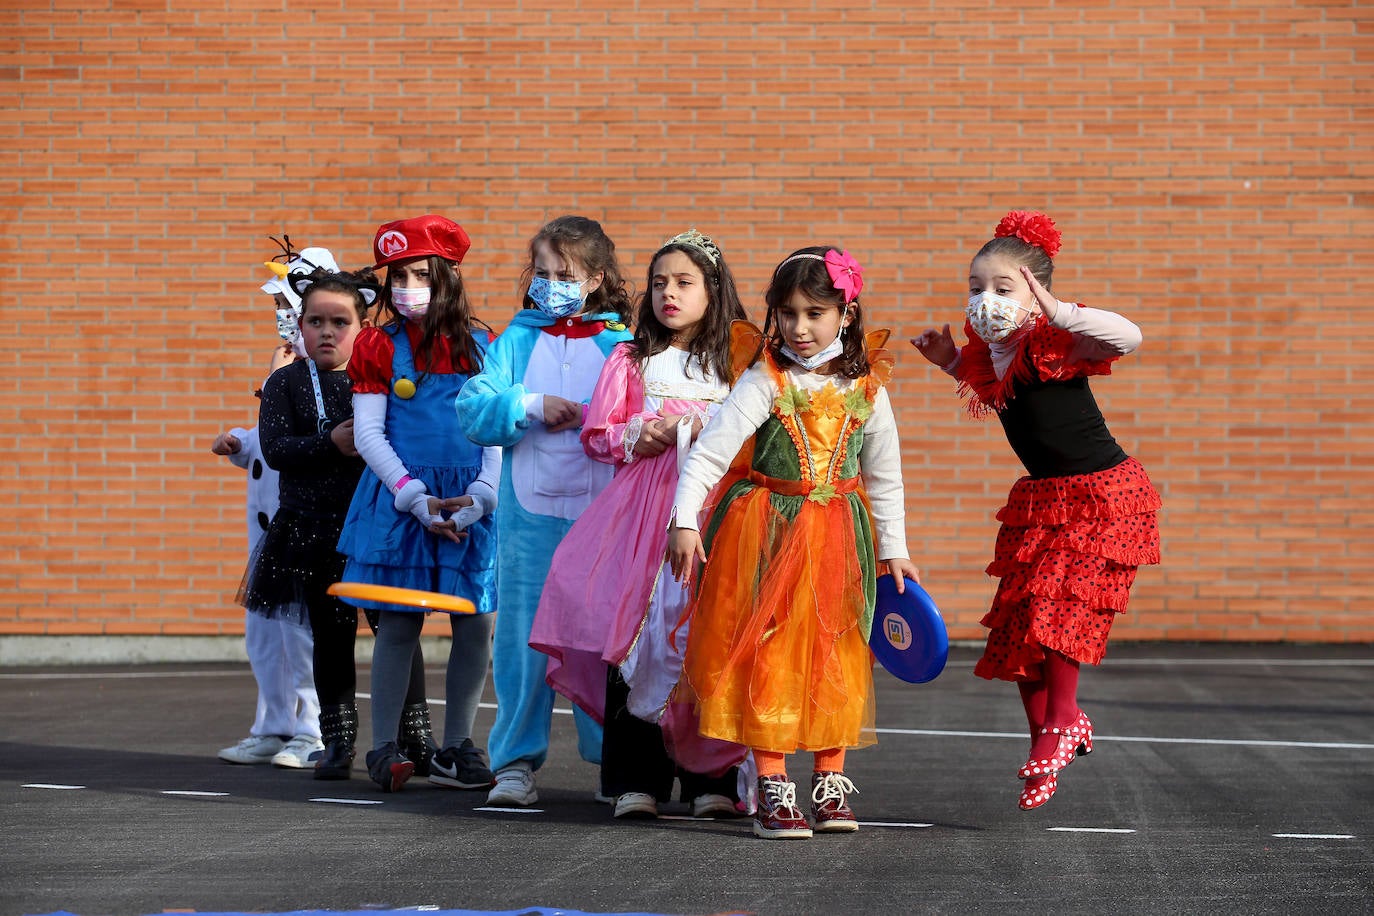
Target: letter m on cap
(392, 243)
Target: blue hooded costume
(546, 482)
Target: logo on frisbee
(897, 632)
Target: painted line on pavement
(1234, 742)
(346, 801)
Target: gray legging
(398, 633)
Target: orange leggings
(771, 763)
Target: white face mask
(995, 318)
(410, 301)
(817, 359)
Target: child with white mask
(1077, 526)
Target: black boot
(338, 731)
(417, 737)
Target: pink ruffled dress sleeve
(616, 413)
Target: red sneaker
(778, 817)
(829, 813)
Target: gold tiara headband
(702, 243)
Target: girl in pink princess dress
(609, 609)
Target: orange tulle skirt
(777, 657)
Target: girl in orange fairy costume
(777, 658)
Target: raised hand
(936, 346)
(226, 444)
(1043, 297)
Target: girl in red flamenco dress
(1074, 529)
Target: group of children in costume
(681, 525)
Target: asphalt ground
(1225, 779)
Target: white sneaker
(636, 805)
(711, 805)
(514, 787)
(253, 749)
(299, 753)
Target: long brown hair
(710, 346)
(449, 315)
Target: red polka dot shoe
(1075, 740)
(1037, 791)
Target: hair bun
(1031, 227)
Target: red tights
(1051, 701)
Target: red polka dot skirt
(1066, 555)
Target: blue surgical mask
(557, 298)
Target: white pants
(279, 653)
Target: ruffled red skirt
(1066, 555)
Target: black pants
(633, 758)
(334, 626)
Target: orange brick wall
(1208, 161)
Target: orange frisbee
(411, 597)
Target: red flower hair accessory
(1031, 227)
(845, 273)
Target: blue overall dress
(387, 547)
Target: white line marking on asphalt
(1021, 736)
(191, 794)
(509, 810)
(1091, 829)
(892, 824)
(48, 785)
(346, 801)
(1314, 836)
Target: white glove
(469, 515)
(419, 506)
(405, 497)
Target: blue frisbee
(909, 638)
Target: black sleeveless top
(1057, 430)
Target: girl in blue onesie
(531, 398)
(421, 516)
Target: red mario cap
(419, 237)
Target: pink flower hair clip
(845, 273)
